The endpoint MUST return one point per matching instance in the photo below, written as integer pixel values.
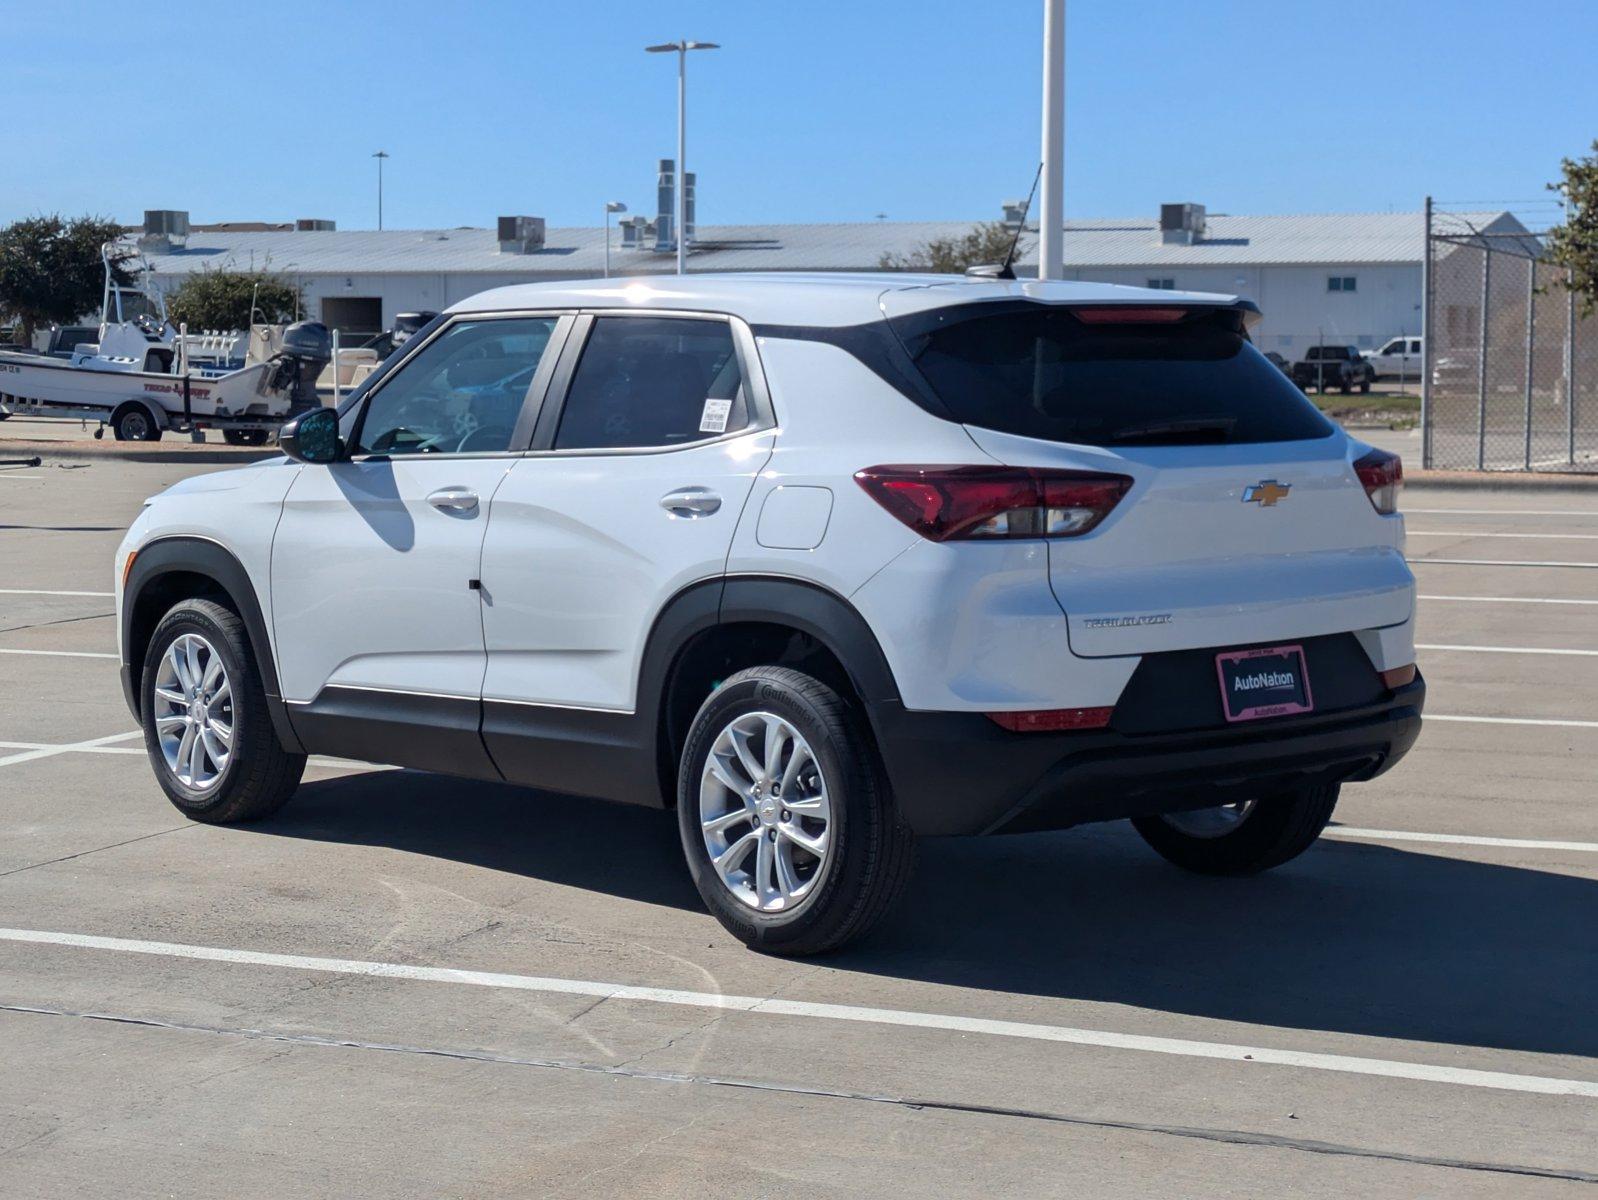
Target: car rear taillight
(1381, 474)
(949, 503)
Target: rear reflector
(1398, 677)
(947, 503)
(1052, 720)
(1382, 475)
(1127, 315)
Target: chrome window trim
(532, 402)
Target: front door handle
(691, 502)
(453, 499)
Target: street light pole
(1051, 201)
(380, 156)
(611, 206)
(681, 48)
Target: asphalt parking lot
(405, 985)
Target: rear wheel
(206, 727)
(1242, 838)
(133, 423)
(244, 437)
(790, 830)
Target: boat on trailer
(144, 377)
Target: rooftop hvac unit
(313, 225)
(665, 205)
(1181, 224)
(164, 229)
(521, 235)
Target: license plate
(1272, 682)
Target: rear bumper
(959, 773)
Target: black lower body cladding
(1168, 749)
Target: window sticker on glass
(714, 417)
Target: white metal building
(1340, 277)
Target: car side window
(653, 381)
(462, 393)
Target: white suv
(823, 562)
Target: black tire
(133, 423)
(871, 852)
(244, 437)
(1345, 387)
(260, 775)
(1364, 388)
(1278, 829)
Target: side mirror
(312, 437)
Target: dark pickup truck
(1340, 367)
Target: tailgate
(1221, 545)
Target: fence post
(1426, 343)
(1481, 360)
(1570, 367)
(1531, 336)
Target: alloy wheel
(193, 712)
(765, 812)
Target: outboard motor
(306, 350)
(406, 326)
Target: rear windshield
(1044, 371)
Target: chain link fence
(1510, 379)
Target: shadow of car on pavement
(1355, 938)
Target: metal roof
(1328, 238)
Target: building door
(357, 318)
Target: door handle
(691, 502)
(453, 499)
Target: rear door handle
(691, 502)
(453, 499)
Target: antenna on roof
(1006, 269)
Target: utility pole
(1051, 202)
(380, 156)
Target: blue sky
(813, 111)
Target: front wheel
(789, 827)
(1243, 838)
(206, 727)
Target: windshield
(1102, 376)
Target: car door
(375, 608)
(631, 493)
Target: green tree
(988, 242)
(223, 299)
(51, 271)
(1574, 244)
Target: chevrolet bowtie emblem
(1266, 492)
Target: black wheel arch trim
(200, 556)
(632, 756)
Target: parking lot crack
(97, 850)
(1234, 1137)
(59, 621)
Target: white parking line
(59, 653)
(1455, 839)
(1498, 562)
(43, 592)
(1477, 533)
(1505, 599)
(74, 748)
(1561, 724)
(901, 1018)
(1506, 512)
(68, 748)
(1509, 650)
